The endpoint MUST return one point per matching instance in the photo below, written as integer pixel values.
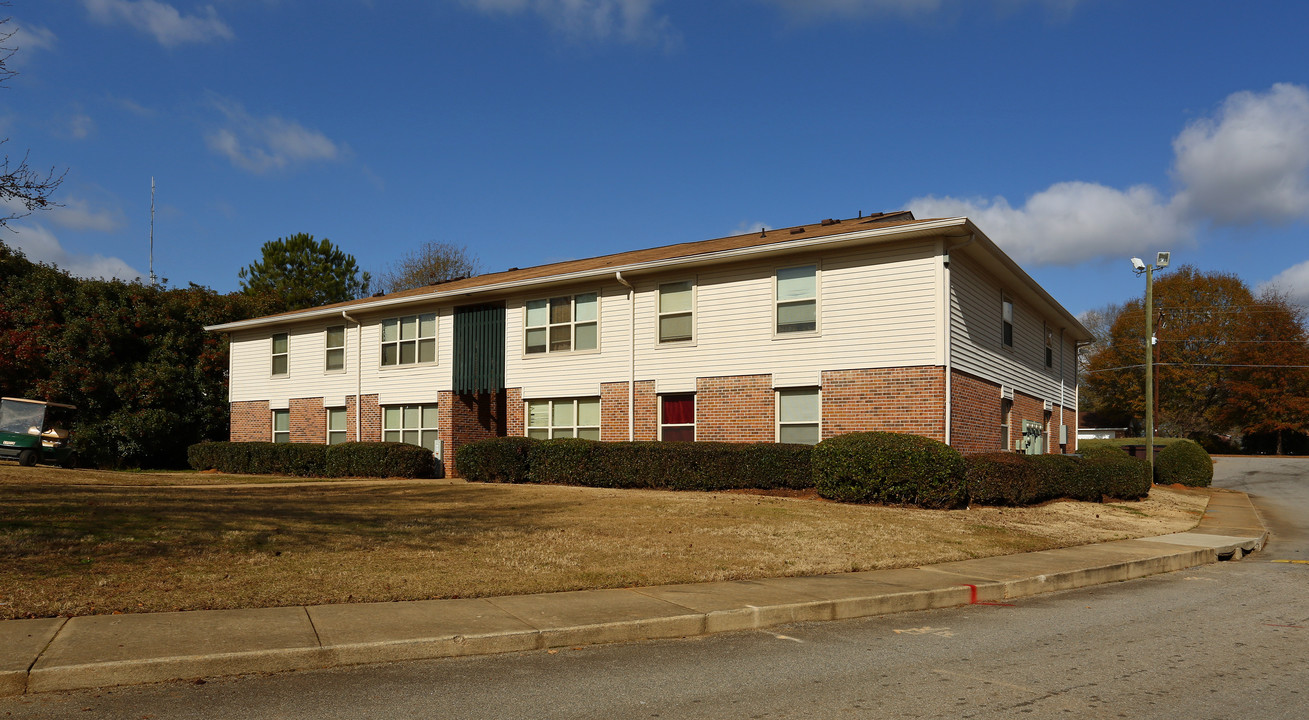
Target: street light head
(1163, 260)
(1138, 264)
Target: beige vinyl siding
(878, 307)
(251, 377)
(975, 334)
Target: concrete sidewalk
(82, 652)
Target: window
(798, 411)
(335, 355)
(562, 324)
(1007, 322)
(1006, 406)
(409, 340)
(279, 353)
(281, 426)
(413, 424)
(676, 301)
(1049, 347)
(564, 418)
(336, 432)
(677, 418)
(797, 299)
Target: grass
(88, 542)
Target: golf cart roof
(40, 402)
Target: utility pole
(1148, 270)
(152, 231)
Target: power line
(1161, 364)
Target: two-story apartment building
(883, 322)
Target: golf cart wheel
(70, 461)
(27, 458)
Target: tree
(20, 184)
(1268, 392)
(432, 263)
(299, 272)
(1206, 324)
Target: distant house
(883, 322)
(1091, 426)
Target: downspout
(949, 321)
(631, 357)
(359, 372)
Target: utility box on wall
(1063, 434)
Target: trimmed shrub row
(670, 466)
(1180, 461)
(884, 467)
(364, 459)
(1010, 479)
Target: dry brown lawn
(88, 542)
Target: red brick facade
(464, 418)
(735, 409)
(613, 411)
(974, 414)
(252, 421)
(647, 411)
(905, 400)
(308, 420)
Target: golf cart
(33, 431)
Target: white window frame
(695, 410)
(572, 324)
(285, 355)
(287, 432)
(329, 349)
(777, 412)
(818, 292)
(660, 314)
(399, 343)
(422, 428)
(344, 432)
(551, 430)
(1006, 423)
(1005, 300)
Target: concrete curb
(97, 651)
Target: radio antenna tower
(152, 231)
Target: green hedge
(1004, 478)
(885, 467)
(496, 460)
(1012, 479)
(1184, 462)
(312, 459)
(661, 465)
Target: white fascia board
(698, 259)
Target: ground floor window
(677, 418)
(798, 415)
(564, 418)
(281, 426)
(413, 424)
(1006, 407)
(336, 426)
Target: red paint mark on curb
(972, 598)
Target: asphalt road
(1224, 641)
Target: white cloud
(25, 38)
(748, 227)
(1069, 222)
(165, 22)
(819, 9)
(41, 245)
(81, 126)
(268, 143)
(1294, 281)
(1250, 163)
(78, 214)
(633, 21)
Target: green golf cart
(34, 431)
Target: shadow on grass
(45, 524)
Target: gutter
(359, 375)
(631, 357)
(701, 258)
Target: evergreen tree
(299, 272)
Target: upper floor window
(676, 319)
(334, 357)
(1007, 321)
(562, 324)
(564, 418)
(281, 426)
(797, 299)
(798, 411)
(1049, 347)
(280, 342)
(336, 426)
(409, 340)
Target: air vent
(829, 221)
(797, 231)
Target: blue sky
(1076, 133)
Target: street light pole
(1141, 268)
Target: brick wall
(907, 400)
(252, 421)
(465, 418)
(372, 420)
(735, 408)
(974, 413)
(647, 411)
(308, 420)
(515, 423)
(613, 411)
